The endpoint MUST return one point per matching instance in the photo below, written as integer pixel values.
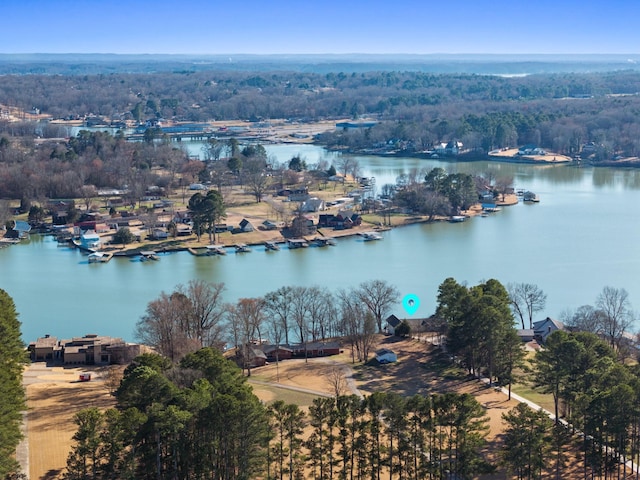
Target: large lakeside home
(90, 349)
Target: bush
(403, 330)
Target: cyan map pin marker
(411, 303)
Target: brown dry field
(410, 375)
(54, 395)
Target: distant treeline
(416, 110)
(92, 64)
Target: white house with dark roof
(543, 328)
(391, 323)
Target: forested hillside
(561, 111)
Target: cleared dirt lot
(54, 396)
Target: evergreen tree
(12, 396)
(527, 441)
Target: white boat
(457, 218)
(99, 257)
(369, 236)
(216, 250)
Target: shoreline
(192, 245)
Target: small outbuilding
(386, 356)
(391, 323)
(246, 226)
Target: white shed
(386, 356)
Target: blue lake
(582, 236)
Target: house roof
(384, 351)
(257, 353)
(525, 332)
(44, 342)
(393, 320)
(542, 323)
(244, 222)
(272, 348)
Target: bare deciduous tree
(206, 310)
(378, 296)
(526, 300)
(246, 318)
(358, 325)
(321, 311)
(585, 318)
(187, 319)
(618, 315)
(279, 307)
(337, 381)
(163, 326)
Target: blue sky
(301, 26)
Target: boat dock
(148, 255)
(100, 257)
(323, 241)
(273, 246)
(297, 243)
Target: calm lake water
(582, 236)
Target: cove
(582, 236)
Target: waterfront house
(45, 349)
(315, 349)
(385, 355)
(277, 352)
(340, 221)
(90, 240)
(531, 149)
(543, 328)
(448, 148)
(87, 350)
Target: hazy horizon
(281, 27)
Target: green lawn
(542, 399)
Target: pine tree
(12, 358)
